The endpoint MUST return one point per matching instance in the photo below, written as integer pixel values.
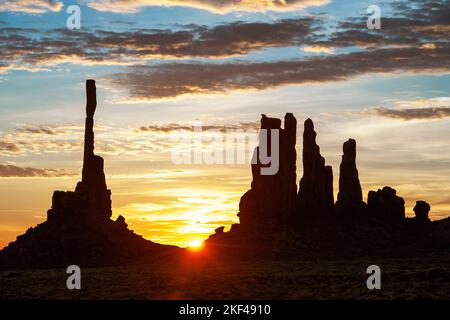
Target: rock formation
(350, 198)
(421, 211)
(315, 197)
(274, 218)
(386, 205)
(270, 203)
(91, 197)
(272, 207)
(274, 221)
(78, 229)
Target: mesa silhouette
(277, 219)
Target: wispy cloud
(37, 131)
(411, 114)
(422, 26)
(153, 139)
(185, 127)
(9, 147)
(31, 6)
(12, 171)
(177, 79)
(413, 23)
(318, 49)
(31, 139)
(218, 6)
(34, 49)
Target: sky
(161, 65)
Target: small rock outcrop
(386, 205)
(121, 223)
(421, 211)
(350, 199)
(315, 197)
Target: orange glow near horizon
(176, 204)
(195, 245)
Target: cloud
(185, 127)
(428, 46)
(170, 80)
(411, 114)
(37, 131)
(31, 139)
(9, 146)
(31, 6)
(33, 49)
(166, 175)
(217, 6)
(37, 50)
(318, 49)
(54, 139)
(418, 23)
(155, 141)
(11, 171)
(403, 45)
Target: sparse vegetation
(412, 278)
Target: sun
(195, 245)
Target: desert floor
(194, 278)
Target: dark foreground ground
(193, 278)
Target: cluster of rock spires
(274, 199)
(273, 211)
(79, 229)
(274, 216)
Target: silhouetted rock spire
(91, 197)
(93, 184)
(270, 203)
(78, 229)
(91, 106)
(350, 198)
(315, 197)
(288, 167)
